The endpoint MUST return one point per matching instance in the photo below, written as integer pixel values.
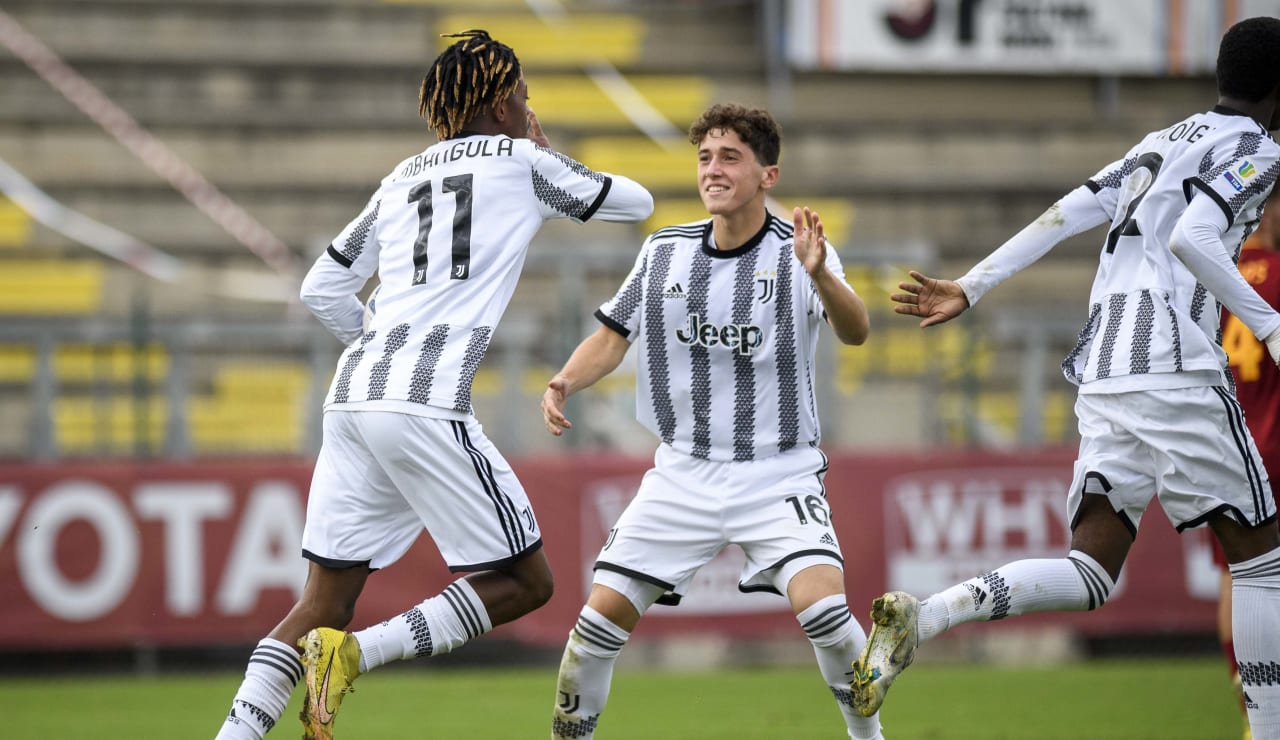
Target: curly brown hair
(475, 72)
(753, 125)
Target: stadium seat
(87, 425)
(15, 224)
(223, 426)
(17, 363)
(110, 363)
(44, 287)
(580, 40)
(575, 100)
(672, 168)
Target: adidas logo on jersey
(675, 291)
(827, 539)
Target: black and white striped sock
(434, 627)
(1255, 627)
(837, 639)
(586, 672)
(273, 671)
(1074, 583)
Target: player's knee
(828, 621)
(1097, 582)
(541, 590)
(535, 581)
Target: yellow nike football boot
(332, 660)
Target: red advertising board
(168, 554)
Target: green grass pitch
(1098, 700)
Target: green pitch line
(1101, 700)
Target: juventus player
(1257, 385)
(1155, 411)
(447, 233)
(725, 313)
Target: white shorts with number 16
(687, 510)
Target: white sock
(434, 627)
(586, 670)
(1071, 584)
(837, 639)
(1255, 627)
(274, 669)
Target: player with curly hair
(725, 314)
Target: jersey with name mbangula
(726, 341)
(1151, 323)
(447, 233)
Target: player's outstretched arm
(934, 301)
(595, 358)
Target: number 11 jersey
(447, 233)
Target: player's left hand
(553, 399)
(810, 242)
(536, 135)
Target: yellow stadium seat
(577, 100)
(88, 425)
(245, 426)
(15, 224)
(463, 4)
(50, 287)
(261, 381)
(17, 363)
(673, 167)
(580, 40)
(115, 363)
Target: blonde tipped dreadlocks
(468, 76)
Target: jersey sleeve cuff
(1202, 186)
(339, 257)
(599, 201)
(604, 318)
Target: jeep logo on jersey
(741, 338)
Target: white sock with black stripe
(274, 669)
(1072, 584)
(434, 627)
(837, 639)
(586, 671)
(1255, 627)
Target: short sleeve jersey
(1256, 377)
(726, 341)
(1151, 324)
(447, 233)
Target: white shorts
(381, 477)
(687, 510)
(1187, 446)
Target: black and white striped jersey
(447, 233)
(725, 341)
(1151, 324)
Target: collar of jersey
(1225, 111)
(465, 134)
(751, 243)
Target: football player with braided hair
(446, 233)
